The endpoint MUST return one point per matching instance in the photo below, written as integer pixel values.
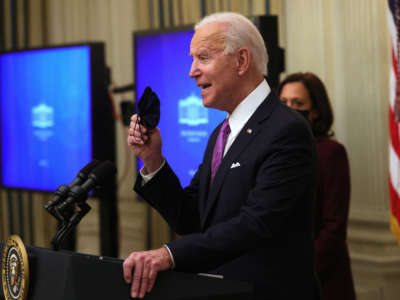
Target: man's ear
(243, 60)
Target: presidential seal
(15, 269)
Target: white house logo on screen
(42, 116)
(192, 112)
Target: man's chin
(207, 103)
(210, 103)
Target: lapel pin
(249, 131)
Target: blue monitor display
(162, 62)
(46, 122)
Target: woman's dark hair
(321, 125)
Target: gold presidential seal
(15, 269)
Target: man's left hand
(146, 265)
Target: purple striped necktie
(219, 147)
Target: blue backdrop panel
(45, 98)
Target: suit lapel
(249, 131)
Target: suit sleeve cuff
(147, 177)
(172, 257)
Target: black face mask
(304, 113)
(148, 109)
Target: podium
(63, 275)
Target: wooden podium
(63, 275)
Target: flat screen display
(162, 62)
(46, 131)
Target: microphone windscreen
(103, 171)
(89, 167)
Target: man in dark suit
(247, 213)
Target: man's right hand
(141, 268)
(146, 144)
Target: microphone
(62, 191)
(79, 193)
(84, 173)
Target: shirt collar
(247, 107)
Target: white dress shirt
(245, 110)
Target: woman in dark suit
(306, 93)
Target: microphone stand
(70, 219)
(60, 195)
(69, 205)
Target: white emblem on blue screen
(43, 122)
(42, 116)
(192, 112)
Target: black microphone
(84, 173)
(79, 193)
(62, 191)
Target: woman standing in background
(305, 93)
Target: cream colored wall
(346, 44)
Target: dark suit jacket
(254, 223)
(331, 215)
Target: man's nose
(194, 70)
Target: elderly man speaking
(247, 213)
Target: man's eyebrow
(199, 51)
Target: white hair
(240, 32)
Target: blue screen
(45, 98)
(162, 62)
